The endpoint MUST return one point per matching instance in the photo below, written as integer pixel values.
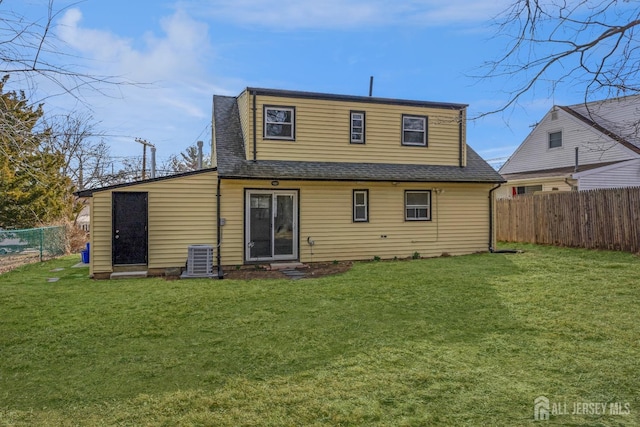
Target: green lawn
(469, 340)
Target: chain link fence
(35, 244)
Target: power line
(207, 127)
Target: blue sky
(185, 51)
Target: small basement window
(279, 122)
(360, 205)
(417, 205)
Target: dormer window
(555, 139)
(414, 130)
(357, 127)
(279, 122)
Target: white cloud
(173, 84)
(347, 14)
(458, 11)
(183, 43)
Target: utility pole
(144, 143)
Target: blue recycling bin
(85, 254)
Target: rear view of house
(307, 177)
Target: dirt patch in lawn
(316, 269)
(11, 261)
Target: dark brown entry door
(130, 233)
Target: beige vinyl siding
(245, 102)
(100, 256)
(548, 184)
(181, 212)
(556, 185)
(504, 192)
(322, 133)
(459, 225)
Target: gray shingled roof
(624, 132)
(232, 162)
(565, 171)
(615, 117)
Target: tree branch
(579, 41)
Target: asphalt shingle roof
(615, 117)
(566, 171)
(232, 162)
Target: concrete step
(286, 265)
(128, 275)
(119, 268)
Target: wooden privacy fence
(596, 219)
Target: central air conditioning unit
(199, 261)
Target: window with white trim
(555, 139)
(526, 189)
(414, 130)
(357, 127)
(279, 122)
(417, 205)
(360, 205)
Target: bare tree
(32, 55)
(184, 162)
(30, 52)
(131, 170)
(87, 159)
(590, 44)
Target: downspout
(491, 248)
(255, 135)
(460, 159)
(573, 187)
(219, 233)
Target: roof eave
(89, 192)
(353, 98)
(361, 179)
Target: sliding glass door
(271, 225)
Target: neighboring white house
(578, 147)
(83, 220)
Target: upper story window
(414, 130)
(360, 205)
(555, 139)
(417, 205)
(279, 122)
(357, 127)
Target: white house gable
(553, 142)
